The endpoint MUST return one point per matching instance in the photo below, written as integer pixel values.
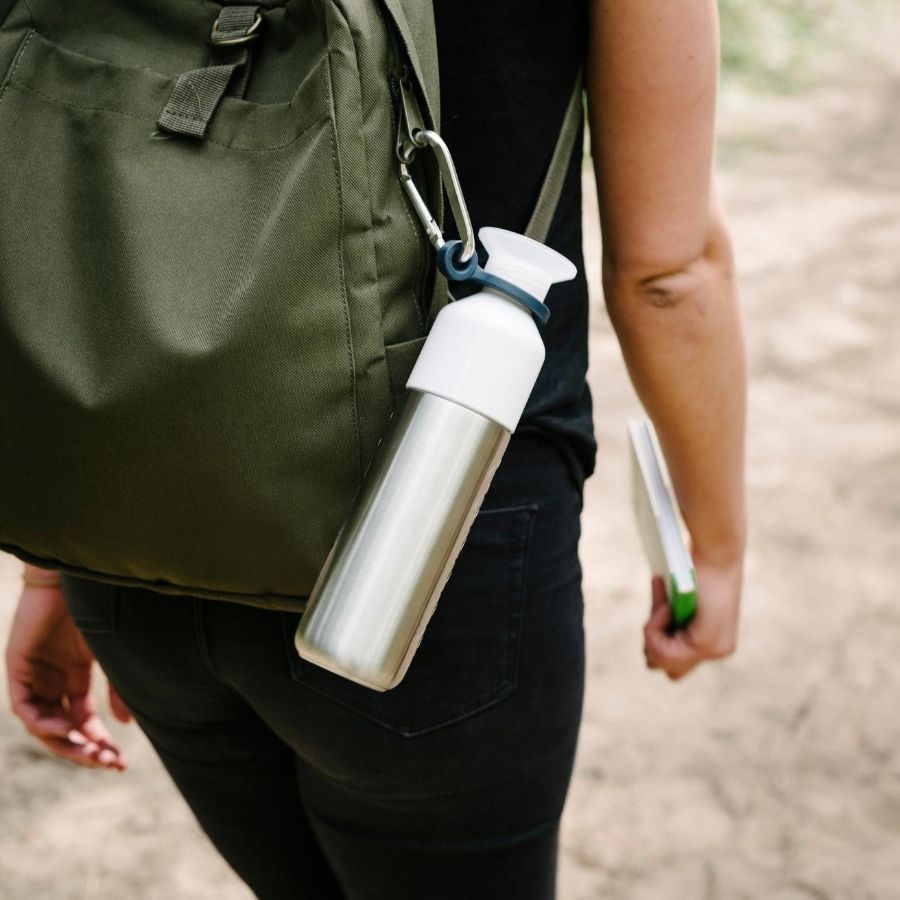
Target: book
(659, 523)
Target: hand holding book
(662, 533)
(695, 602)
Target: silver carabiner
(426, 138)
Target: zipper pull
(411, 121)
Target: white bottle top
(485, 352)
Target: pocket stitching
(7, 81)
(29, 87)
(339, 184)
(515, 587)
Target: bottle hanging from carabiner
(464, 397)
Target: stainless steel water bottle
(382, 579)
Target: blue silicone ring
(451, 268)
(447, 260)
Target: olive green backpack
(212, 283)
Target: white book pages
(655, 511)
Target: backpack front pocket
(178, 367)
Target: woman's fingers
(40, 723)
(117, 705)
(88, 724)
(81, 748)
(655, 631)
(90, 745)
(673, 653)
(42, 717)
(68, 730)
(78, 749)
(658, 596)
(96, 732)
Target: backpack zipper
(402, 83)
(410, 119)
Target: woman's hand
(49, 669)
(711, 634)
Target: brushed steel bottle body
(464, 398)
(380, 584)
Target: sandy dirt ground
(774, 775)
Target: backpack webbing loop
(197, 93)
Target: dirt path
(775, 775)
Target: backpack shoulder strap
(415, 22)
(548, 199)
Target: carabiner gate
(426, 138)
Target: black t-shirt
(507, 70)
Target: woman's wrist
(722, 552)
(34, 576)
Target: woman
(453, 784)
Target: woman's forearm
(683, 344)
(652, 78)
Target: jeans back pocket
(93, 605)
(468, 658)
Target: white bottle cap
(528, 264)
(485, 352)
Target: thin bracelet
(49, 581)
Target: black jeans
(312, 787)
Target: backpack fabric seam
(20, 53)
(335, 158)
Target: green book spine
(682, 603)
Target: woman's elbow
(669, 282)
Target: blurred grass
(787, 45)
